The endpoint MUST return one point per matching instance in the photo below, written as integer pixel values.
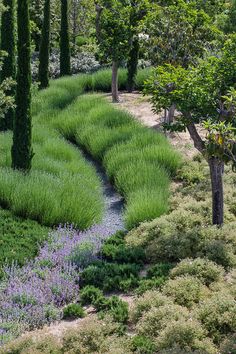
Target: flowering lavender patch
(34, 295)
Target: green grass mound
(62, 187)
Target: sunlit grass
(63, 187)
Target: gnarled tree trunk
(216, 171)
(114, 88)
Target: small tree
(114, 36)
(204, 96)
(8, 46)
(45, 48)
(65, 66)
(179, 34)
(22, 130)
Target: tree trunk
(216, 171)
(171, 114)
(114, 89)
(65, 65)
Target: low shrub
(187, 335)
(159, 270)
(122, 253)
(87, 338)
(73, 311)
(203, 269)
(185, 233)
(186, 290)
(114, 306)
(30, 345)
(142, 345)
(218, 315)
(228, 346)
(89, 294)
(148, 300)
(157, 318)
(108, 276)
(19, 239)
(150, 284)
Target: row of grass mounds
(64, 188)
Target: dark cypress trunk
(114, 88)
(45, 48)
(132, 64)
(22, 129)
(65, 68)
(8, 45)
(216, 171)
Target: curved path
(114, 202)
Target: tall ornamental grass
(62, 186)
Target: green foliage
(185, 233)
(157, 318)
(19, 239)
(116, 250)
(90, 294)
(150, 284)
(218, 315)
(228, 345)
(187, 335)
(185, 290)
(114, 306)
(114, 29)
(45, 48)
(65, 68)
(148, 300)
(179, 33)
(142, 344)
(108, 276)
(22, 152)
(73, 311)
(203, 269)
(160, 270)
(8, 45)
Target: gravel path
(114, 202)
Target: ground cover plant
(19, 239)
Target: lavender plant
(35, 294)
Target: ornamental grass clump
(34, 295)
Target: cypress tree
(8, 45)
(45, 48)
(132, 64)
(22, 129)
(65, 68)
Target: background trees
(45, 48)
(65, 68)
(8, 69)
(204, 97)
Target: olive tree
(205, 96)
(114, 35)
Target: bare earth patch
(139, 106)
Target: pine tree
(22, 129)
(45, 48)
(8, 45)
(65, 68)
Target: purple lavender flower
(34, 295)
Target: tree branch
(197, 140)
